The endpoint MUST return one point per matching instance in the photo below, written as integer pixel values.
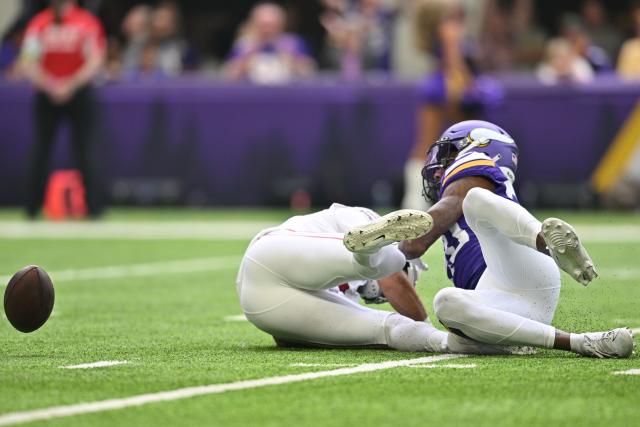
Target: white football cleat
(617, 343)
(396, 226)
(567, 251)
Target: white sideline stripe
(608, 233)
(620, 273)
(629, 372)
(327, 365)
(184, 393)
(236, 318)
(140, 270)
(101, 364)
(223, 230)
(624, 321)
(635, 331)
(446, 366)
(156, 230)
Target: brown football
(28, 299)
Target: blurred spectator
(629, 59)
(575, 33)
(166, 48)
(495, 39)
(10, 12)
(511, 38)
(63, 51)
(135, 28)
(408, 62)
(451, 93)
(563, 65)
(153, 45)
(10, 51)
(264, 53)
(598, 28)
(528, 37)
(359, 37)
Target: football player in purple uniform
(503, 262)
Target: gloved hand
(371, 292)
(413, 268)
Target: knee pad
(474, 199)
(450, 304)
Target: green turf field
(167, 306)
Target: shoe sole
(405, 224)
(564, 244)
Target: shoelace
(603, 342)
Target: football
(28, 299)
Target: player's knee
(475, 200)
(450, 304)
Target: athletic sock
(577, 342)
(405, 334)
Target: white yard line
(618, 233)
(622, 273)
(621, 321)
(101, 364)
(184, 393)
(156, 230)
(317, 365)
(629, 372)
(223, 230)
(236, 318)
(446, 366)
(140, 270)
(635, 331)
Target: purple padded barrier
(248, 145)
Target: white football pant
(284, 288)
(516, 297)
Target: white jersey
(338, 219)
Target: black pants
(82, 113)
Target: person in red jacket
(63, 50)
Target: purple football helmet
(462, 138)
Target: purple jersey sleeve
(474, 164)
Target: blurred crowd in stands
(359, 37)
(453, 49)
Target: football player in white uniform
(297, 281)
(503, 262)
